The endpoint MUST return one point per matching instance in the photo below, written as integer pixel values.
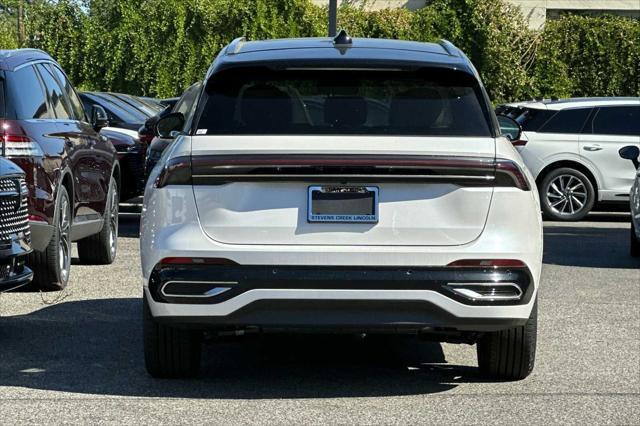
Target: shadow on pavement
(95, 347)
(597, 247)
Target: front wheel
(52, 266)
(101, 248)
(509, 354)
(566, 195)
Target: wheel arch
(572, 164)
(67, 182)
(117, 175)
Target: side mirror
(509, 128)
(631, 152)
(99, 117)
(170, 123)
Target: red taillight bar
(487, 263)
(196, 261)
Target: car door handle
(592, 148)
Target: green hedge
(159, 47)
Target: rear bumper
(354, 298)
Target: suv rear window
(318, 102)
(26, 95)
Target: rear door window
(567, 121)
(57, 96)
(357, 102)
(26, 94)
(72, 96)
(618, 120)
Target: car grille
(14, 220)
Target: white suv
(341, 185)
(571, 147)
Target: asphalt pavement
(76, 356)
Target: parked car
(399, 208)
(571, 148)
(126, 114)
(15, 237)
(72, 173)
(185, 106)
(632, 152)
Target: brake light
(145, 138)
(16, 143)
(196, 261)
(34, 218)
(513, 174)
(176, 171)
(487, 263)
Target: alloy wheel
(113, 223)
(567, 195)
(64, 248)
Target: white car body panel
(275, 212)
(171, 227)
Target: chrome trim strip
(472, 295)
(224, 286)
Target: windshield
(429, 102)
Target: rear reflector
(196, 261)
(487, 263)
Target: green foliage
(159, 47)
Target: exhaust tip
(196, 289)
(487, 292)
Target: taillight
(487, 263)
(509, 173)
(16, 143)
(196, 261)
(145, 138)
(176, 171)
(518, 142)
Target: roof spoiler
(449, 47)
(235, 46)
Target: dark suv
(72, 173)
(14, 227)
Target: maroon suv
(71, 171)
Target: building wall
(536, 11)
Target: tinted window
(185, 103)
(567, 121)
(423, 103)
(118, 113)
(27, 96)
(623, 120)
(532, 119)
(76, 104)
(137, 104)
(56, 94)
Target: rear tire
(566, 195)
(101, 248)
(509, 354)
(52, 267)
(634, 247)
(170, 352)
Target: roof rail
(449, 47)
(235, 46)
